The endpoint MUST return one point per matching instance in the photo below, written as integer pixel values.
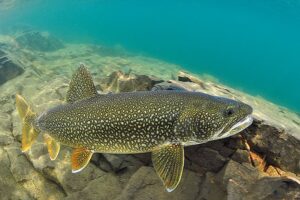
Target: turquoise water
(250, 45)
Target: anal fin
(80, 159)
(52, 145)
(168, 162)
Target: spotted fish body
(128, 122)
(161, 122)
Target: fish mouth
(238, 127)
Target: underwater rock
(241, 156)
(278, 147)
(104, 187)
(6, 137)
(233, 170)
(37, 185)
(145, 185)
(120, 82)
(38, 41)
(243, 181)
(9, 187)
(210, 188)
(207, 159)
(114, 160)
(274, 188)
(9, 69)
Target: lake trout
(161, 122)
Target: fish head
(236, 117)
(221, 117)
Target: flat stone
(9, 69)
(110, 189)
(120, 82)
(39, 41)
(145, 184)
(274, 188)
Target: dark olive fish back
(120, 123)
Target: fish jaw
(236, 128)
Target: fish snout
(244, 109)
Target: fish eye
(229, 112)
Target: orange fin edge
(80, 158)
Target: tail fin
(29, 132)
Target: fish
(162, 122)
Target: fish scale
(129, 123)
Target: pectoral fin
(168, 161)
(52, 145)
(80, 159)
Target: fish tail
(28, 117)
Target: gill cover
(29, 133)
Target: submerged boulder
(127, 82)
(243, 181)
(39, 41)
(9, 69)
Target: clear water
(250, 45)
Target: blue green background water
(250, 45)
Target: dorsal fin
(81, 85)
